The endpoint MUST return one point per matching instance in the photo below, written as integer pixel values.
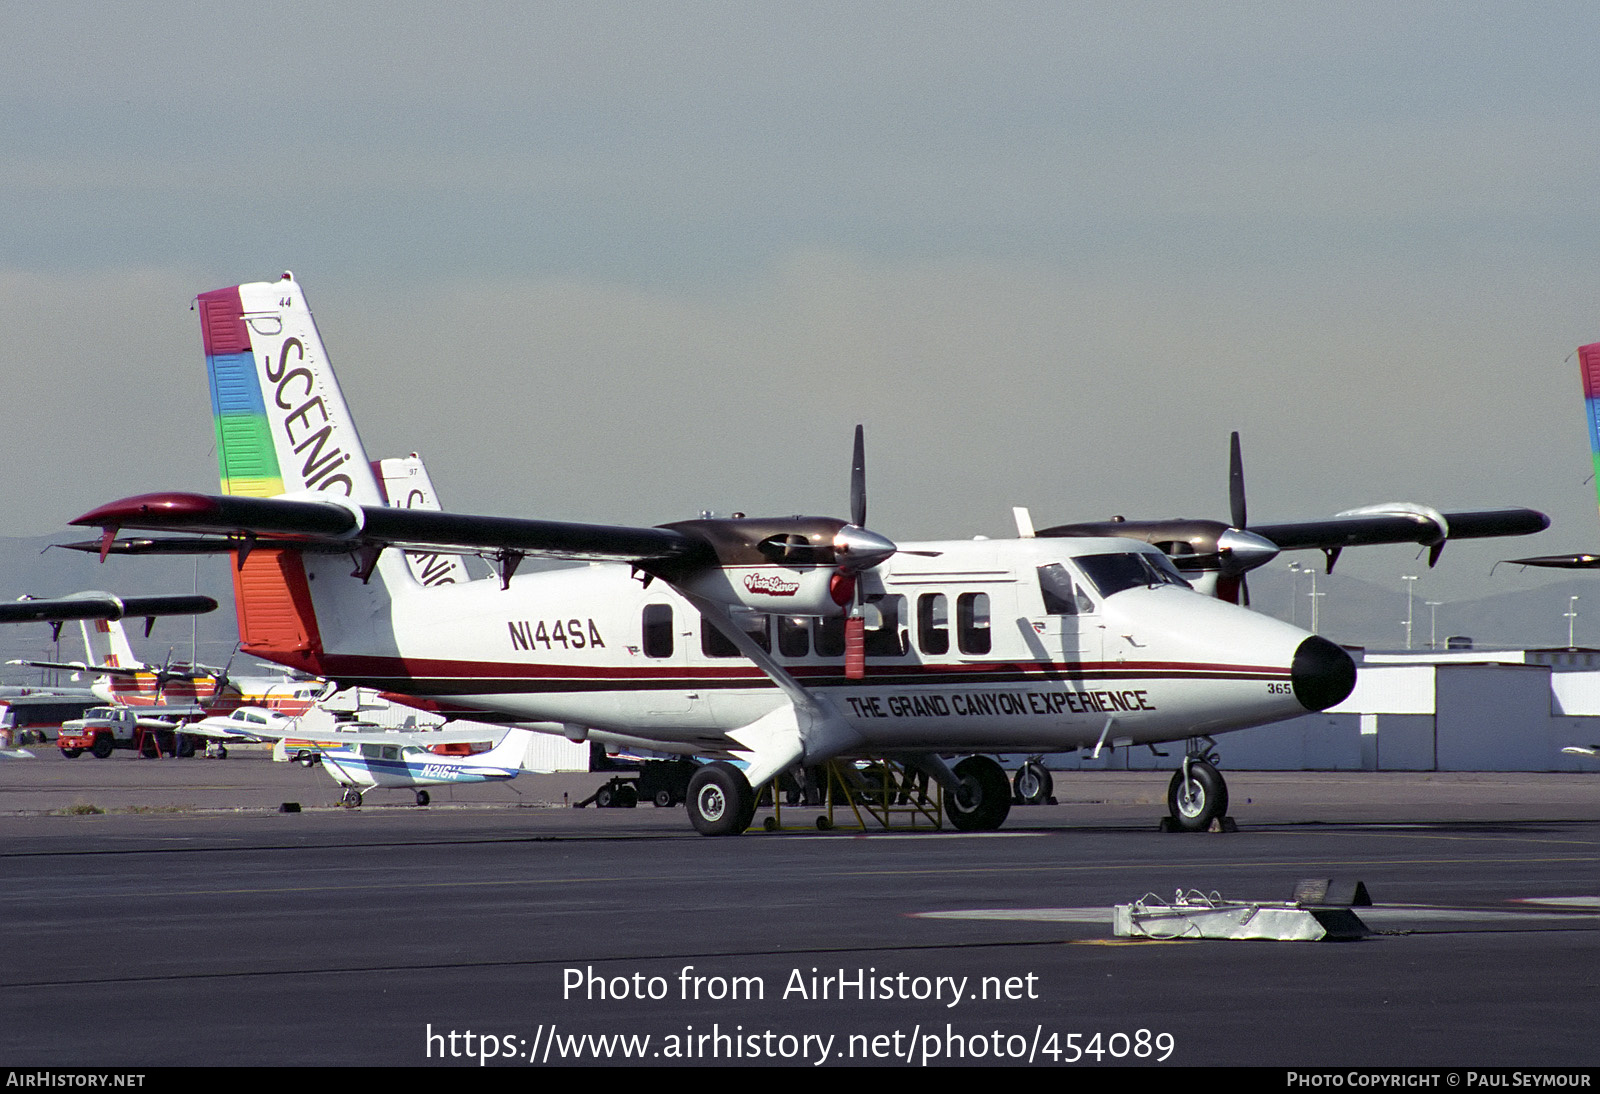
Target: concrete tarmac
(192, 923)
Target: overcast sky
(624, 262)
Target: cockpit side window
(1055, 586)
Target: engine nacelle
(780, 590)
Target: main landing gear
(721, 802)
(1197, 797)
(984, 799)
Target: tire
(185, 745)
(627, 797)
(150, 748)
(102, 747)
(351, 799)
(605, 797)
(422, 797)
(1193, 809)
(1033, 784)
(664, 799)
(720, 802)
(988, 793)
(72, 753)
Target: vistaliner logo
(772, 586)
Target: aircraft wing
(225, 729)
(330, 525)
(102, 606)
(1400, 524)
(1560, 562)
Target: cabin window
(1061, 596)
(657, 625)
(794, 637)
(933, 623)
(885, 637)
(713, 643)
(829, 634)
(972, 622)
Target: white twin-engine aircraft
(773, 641)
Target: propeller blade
(858, 482)
(1236, 506)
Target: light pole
(1433, 623)
(1314, 594)
(1295, 570)
(1411, 586)
(1572, 620)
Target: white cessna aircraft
(360, 757)
(774, 641)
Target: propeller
(1238, 549)
(856, 549)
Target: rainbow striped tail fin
(1589, 367)
(282, 423)
(282, 428)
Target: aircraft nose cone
(1323, 674)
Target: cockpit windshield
(1112, 573)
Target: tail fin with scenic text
(282, 428)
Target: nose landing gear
(1197, 796)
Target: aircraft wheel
(351, 798)
(984, 799)
(72, 753)
(664, 799)
(721, 802)
(1033, 783)
(222, 752)
(1203, 799)
(185, 745)
(824, 824)
(422, 797)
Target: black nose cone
(1323, 674)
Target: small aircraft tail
(106, 643)
(282, 428)
(406, 485)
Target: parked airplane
(851, 644)
(178, 688)
(360, 758)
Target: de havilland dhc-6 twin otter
(772, 641)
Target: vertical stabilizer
(282, 427)
(406, 485)
(106, 643)
(281, 420)
(1589, 366)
